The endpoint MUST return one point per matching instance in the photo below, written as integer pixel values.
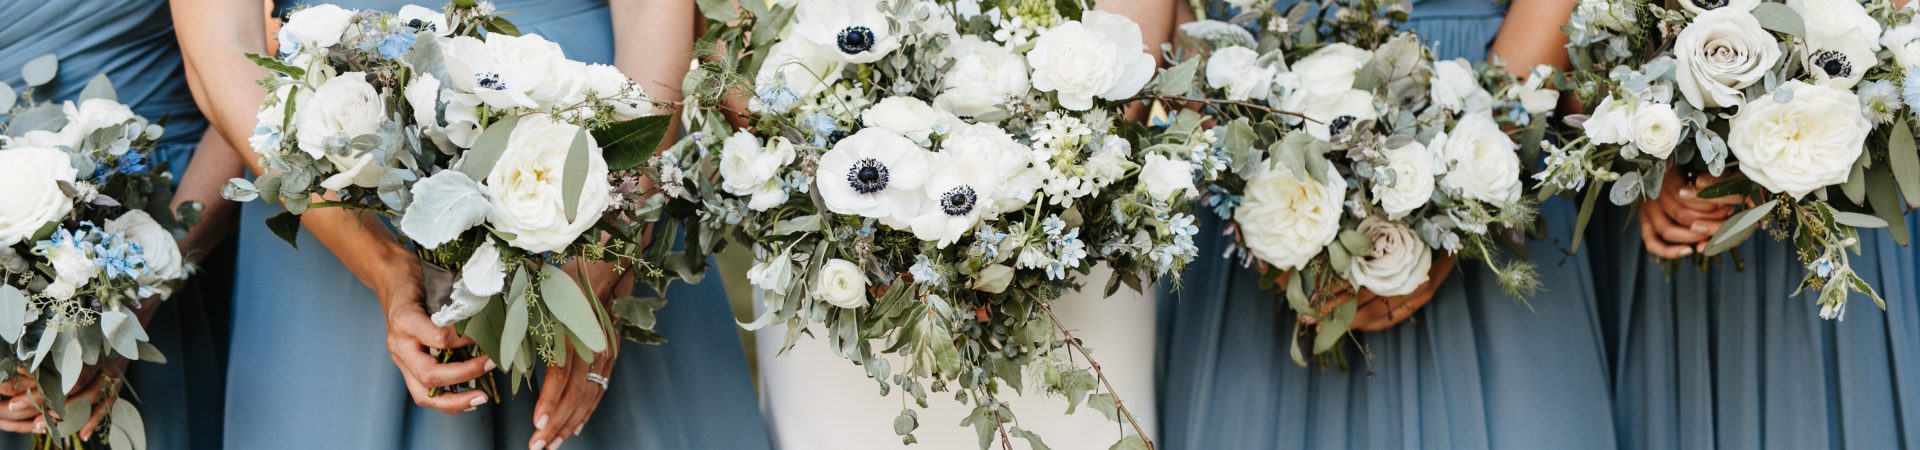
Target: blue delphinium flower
(923, 271)
(396, 45)
(986, 242)
(1068, 251)
(777, 98)
(821, 125)
(119, 257)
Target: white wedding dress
(814, 400)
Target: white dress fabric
(814, 400)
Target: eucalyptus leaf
(239, 190)
(1858, 220)
(1781, 18)
(1626, 190)
(1738, 227)
(1884, 198)
(128, 430)
(7, 96)
(13, 313)
(1332, 329)
(1901, 151)
(1131, 442)
(1177, 81)
(513, 332)
(573, 177)
(718, 10)
(68, 361)
(803, 224)
(40, 70)
(569, 304)
(1220, 34)
(122, 332)
(906, 422)
(487, 148)
(99, 87)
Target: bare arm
(1154, 16)
(1531, 36)
(212, 165)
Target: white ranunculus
(423, 19)
(1411, 187)
(1829, 22)
(31, 177)
(1327, 73)
(72, 268)
(850, 31)
(905, 116)
(90, 115)
(1611, 122)
(526, 184)
(1801, 145)
(797, 66)
(315, 27)
(840, 283)
(984, 76)
(1347, 109)
(750, 170)
(1398, 263)
(1480, 161)
(506, 71)
(1238, 71)
(1165, 178)
(163, 261)
(1656, 130)
(1700, 6)
(1841, 62)
(874, 173)
(1456, 88)
(1100, 55)
(608, 84)
(1286, 219)
(1721, 52)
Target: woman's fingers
(553, 391)
(1668, 230)
(1654, 244)
(30, 426)
(447, 402)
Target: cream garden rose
(31, 177)
(1798, 146)
(163, 261)
(1325, 74)
(1238, 71)
(342, 108)
(1286, 219)
(525, 186)
(1481, 162)
(1721, 52)
(1098, 56)
(1398, 262)
(840, 283)
(1411, 168)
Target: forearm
(1531, 35)
(1154, 16)
(653, 42)
(212, 165)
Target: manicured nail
(540, 424)
(477, 401)
(1698, 228)
(1686, 251)
(13, 406)
(1686, 192)
(491, 365)
(538, 445)
(578, 429)
(556, 444)
(40, 427)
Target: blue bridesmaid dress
(132, 43)
(1475, 368)
(312, 370)
(1729, 359)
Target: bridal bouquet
(1785, 100)
(1347, 159)
(86, 236)
(921, 178)
(494, 155)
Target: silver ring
(598, 379)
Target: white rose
(316, 27)
(1398, 263)
(91, 115)
(850, 31)
(1239, 72)
(72, 268)
(905, 116)
(1611, 122)
(512, 71)
(798, 67)
(1166, 178)
(1326, 73)
(341, 109)
(31, 177)
(1456, 88)
(1802, 145)
(163, 261)
(984, 76)
(423, 19)
(1828, 21)
(1656, 130)
(747, 169)
(840, 283)
(1700, 6)
(1721, 52)
(874, 173)
(1287, 219)
(1412, 172)
(1481, 162)
(526, 183)
(1340, 112)
(1098, 56)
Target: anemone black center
(1833, 63)
(1709, 4)
(958, 201)
(1340, 124)
(856, 39)
(868, 176)
(423, 25)
(836, 136)
(490, 80)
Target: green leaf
(40, 69)
(286, 225)
(1177, 81)
(1133, 442)
(129, 430)
(1032, 438)
(1106, 404)
(484, 327)
(1738, 227)
(514, 332)
(569, 304)
(1297, 295)
(631, 143)
(1858, 220)
(1332, 329)
(1902, 152)
(1069, 9)
(503, 26)
(99, 87)
(277, 66)
(802, 224)
(906, 422)
(1884, 198)
(1586, 214)
(1220, 34)
(1856, 185)
(1735, 185)
(1781, 18)
(1355, 242)
(487, 148)
(7, 96)
(13, 313)
(573, 176)
(719, 10)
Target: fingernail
(556, 444)
(477, 401)
(1698, 228)
(1686, 251)
(469, 409)
(1686, 192)
(578, 429)
(540, 424)
(538, 445)
(13, 406)
(491, 365)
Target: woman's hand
(568, 397)
(410, 332)
(1678, 223)
(1377, 313)
(98, 386)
